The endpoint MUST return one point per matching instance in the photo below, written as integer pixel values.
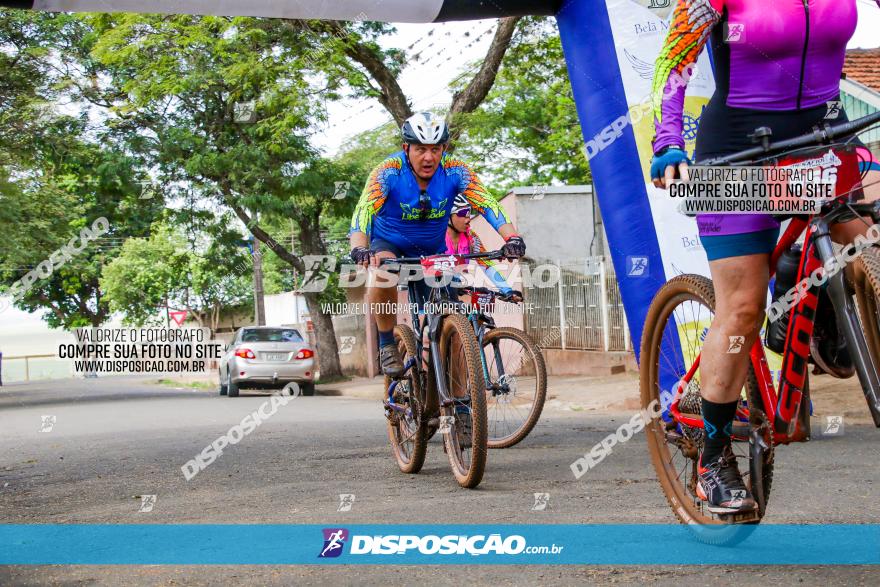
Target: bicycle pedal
(742, 517)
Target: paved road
(114, 439)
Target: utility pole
(259, 304)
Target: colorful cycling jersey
(468, 242)
(774, 55)
(390, 209)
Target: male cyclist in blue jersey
(461, 241)
(404, 211)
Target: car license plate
(276, 356)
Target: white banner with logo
(639, 28)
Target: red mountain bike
(682, 311)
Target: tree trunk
(259, 298)
(328, 351)
(311, 244)
(328, 356)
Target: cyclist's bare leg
(381, 295)
(740, 298)
(871, 185)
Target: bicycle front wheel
(407, 430)
(463, 422)
(675, 328)
(516, 386)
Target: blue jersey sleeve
(375, 193)
(470, 187)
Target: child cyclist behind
(461, 241)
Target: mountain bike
(682, 310)
(513, 368)
(442, 386)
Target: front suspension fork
(848, 323)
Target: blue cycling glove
(664, 158)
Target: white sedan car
(267, 357)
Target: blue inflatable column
(588, 44)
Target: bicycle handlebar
(820, 135)
(480, 290)
(490, 255)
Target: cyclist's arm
(359, 239)
(371, 201)
(689, 30)
(489, 266)
(481, 201)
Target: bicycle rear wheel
(460, 358)
(517, 385)
(407, 430)
(675, 327)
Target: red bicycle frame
(785, 403)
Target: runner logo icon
(334, 540)
(636, 266)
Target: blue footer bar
(594, 544)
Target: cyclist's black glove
(361, 255)
(511, 296)
(514, 248)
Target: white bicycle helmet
(460, 203)
(424, 128)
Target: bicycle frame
(481, 323)
(783, 403)
(433, 322)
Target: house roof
(863, 66)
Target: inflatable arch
(610, 47)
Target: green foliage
(29, 83)
(68, 186)
(368, 149)
(167, 268)
(57, 175)
(182, 77)
(164, 91)
(147, 272)
(527, 131)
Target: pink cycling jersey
(783, 55)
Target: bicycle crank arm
(848, 323)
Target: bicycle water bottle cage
(762, 135)
(784, 281)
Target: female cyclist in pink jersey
(777, 64)
(461, 241)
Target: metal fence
(16, 369)
(583, 311)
